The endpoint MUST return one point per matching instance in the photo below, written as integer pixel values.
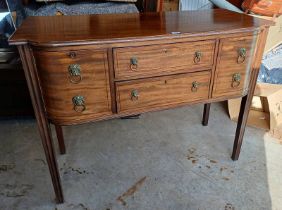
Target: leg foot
(60, 137)
(241, 124)
(137, 116)
(206, 114)
(52, 162)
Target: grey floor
(163, 161)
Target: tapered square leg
(60, 137)
(241, 125)
(206, 114)
(42, 121)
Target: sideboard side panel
(247, 100)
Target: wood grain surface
(154, 60)
(58, 90)
(162, 91)
(85, 29)
(227, 66)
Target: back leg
(60, 137)
(206, 114)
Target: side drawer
(75, 84)
(234, 66)
(146, 94)
(155, 60)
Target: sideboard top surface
(51, 30)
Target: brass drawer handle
(198, 56)
(75, 73)
(133, 63)
(79, 103)
(134, 95)
(195, 86)
(242, 52)
(236, 79)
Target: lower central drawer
(145, 94)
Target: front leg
(42, 121)
(241, 125)
(60, 137)
(206, 114)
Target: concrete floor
(163, 161)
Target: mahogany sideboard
(88, 68)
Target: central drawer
(147, 94)
(155, 60)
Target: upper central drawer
(145, 61)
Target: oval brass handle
(195, 86)
(79, 103)
(75, 73)
(133, 63)
(197, 57)
(236, 80)
(242, 52)
(134, 95)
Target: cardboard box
(171, 5)
(274, 37)
(266, 108)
